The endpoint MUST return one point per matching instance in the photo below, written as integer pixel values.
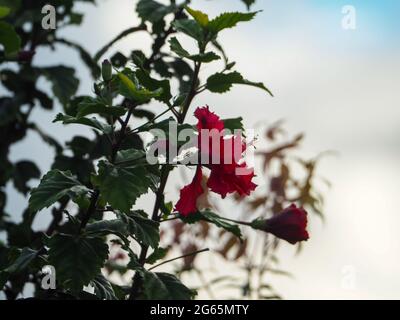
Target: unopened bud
(106, 70)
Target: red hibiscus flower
(228, 175)
(289, 225)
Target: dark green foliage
(77, 260)
(165, 286)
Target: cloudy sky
(338, 86)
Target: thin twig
(180, 257)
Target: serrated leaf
(91, 122)
(106, 227)
(229, 20)
(176, 47)
(213, 218)
(153, 84)
(54, 185)
(165, 286)
(121, 186)
(77, 260)
(158, 254)
(190, 28)
(222, 82)
(201, 57)
(103, 288)
(94, 105)
(130, 156)
(129, 89)
(200, 17)
(233, 124)
(153, 11)
(26, 256)
(9, 38)
(146, 231)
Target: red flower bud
(289, 225)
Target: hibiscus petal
(207, 119)
(189, 194)
(224, 179)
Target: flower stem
(180, 257)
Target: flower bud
(106, 70)
(289, 225)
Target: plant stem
(180, 257)
(245, 223)
(137, 280)
(92, 209)
(122, 134)
(192, 93)
(115, 147)
(141, 27)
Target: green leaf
(153, 11)
(103, 288)
(4, 12)
(233, 124)
(26, 256)
(202, 57)
(91, 122)
(200, 17)
(94, 105)
(129, 89)
(77, 260)
(23, 172)
(154, 85)
(176, 47)
(229, 20)
(213, 218)
(165, 286)
(9, 38)
(130, 156)
(54, 185)
(146, 231)
(189, 27)
(106, 227)
(65, 84)
(121, 186)
(222, 82)
(173, 136)
(158, 254)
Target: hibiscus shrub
(96, 193)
